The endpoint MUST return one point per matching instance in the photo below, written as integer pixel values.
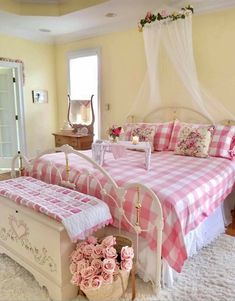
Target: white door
(9, 138)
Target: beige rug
(208, 276)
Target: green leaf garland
(150, 17)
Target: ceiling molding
(211, 6)
(91, 21)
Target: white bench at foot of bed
(40, 244)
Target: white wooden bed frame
(41, 244)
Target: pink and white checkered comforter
(79, 213)
(189, 189)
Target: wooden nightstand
(78, 142)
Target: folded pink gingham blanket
(80, 214)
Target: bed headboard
(181, 113)
(168, 113)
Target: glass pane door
(8, 130)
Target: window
(84, 80)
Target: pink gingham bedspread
(79, 213)
(189, 189)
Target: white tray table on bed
(100, 147)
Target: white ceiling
(92, 21)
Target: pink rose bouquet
(94, 263)
(114, 131)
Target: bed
(192, 192)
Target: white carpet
(208, 276)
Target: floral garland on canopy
(164, 15)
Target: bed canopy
(169, 52)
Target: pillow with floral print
(145, 135)
(193, 142)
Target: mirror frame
(77, 126)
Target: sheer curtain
(176, 37)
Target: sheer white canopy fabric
(176, 39)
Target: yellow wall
(122, 69)
(123, 66)
(40, 119)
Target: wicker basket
(112, 291)
(109, 292)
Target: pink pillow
(145, 134)
(162, 133)
(193, 142)
(178, 125)
(127, 128)
(222, 143)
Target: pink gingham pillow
(222, 142)
(127, 129)
(163, 135)
(178, 125)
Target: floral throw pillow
(145, 135)
(193, 142)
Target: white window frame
(82, 53)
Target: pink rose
(107, 278)
(108, 241)
(82, 264)
(126, 265)
(76, 279)
(110, 252)
(109, 265)
(96, 282)
(164, 13)
(80, 246)
(127, 253)
(97, 263)
(85, 284)
(73, 267)
(98, 251)
(88, 250)
(76, 256)
(92, 240)
(88, 272)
